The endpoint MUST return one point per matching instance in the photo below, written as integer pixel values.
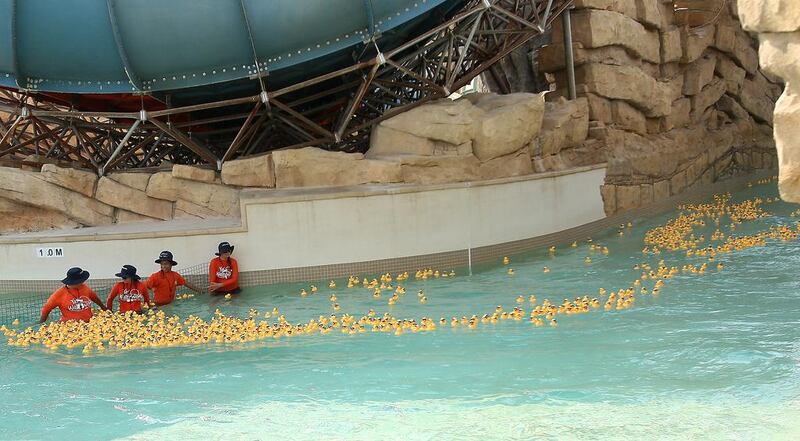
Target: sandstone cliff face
(669, 107)
(778, 25)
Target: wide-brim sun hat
(75, 276)
(224, 247)
(166, 256)
(128, 272)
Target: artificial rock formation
(778, 25)
(669, 107)
(478, 136)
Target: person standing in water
(223, 272)
(132, 292)
(73, 299)
(165, 282)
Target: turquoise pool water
(714, 356)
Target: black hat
(224, 247)
(166, 255)
(75, 276)
(128, 272)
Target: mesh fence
(27, 306)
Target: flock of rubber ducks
(155, 329)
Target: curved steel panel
(98, 46)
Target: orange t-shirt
(131, 295)
(226, 273)
(75, 303)
(164, 286)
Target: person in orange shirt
(165, 282)
(132, 292)
(223, 272)
(73, 299)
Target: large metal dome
(125, 46)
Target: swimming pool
(712, 356)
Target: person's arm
(145, 293)
(183, 282)
(213, 285)
(233, 282)
(48, 306)
(111, 296)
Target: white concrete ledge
(321, 226)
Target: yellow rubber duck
(574, 244)
(423, 299)
(506, 260)
(520, 299)
(332, 284)
(228, 296)
(546, 269)
(510, 271)
(552, 249)
(303, 292)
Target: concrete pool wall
(308, 234)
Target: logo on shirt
(131, 296)
(224, 272)
(78, 304)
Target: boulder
(729, 105)
(598, 28)
(695, 41)
(628, 117)
(725, 38)
(29, 188)
(444, 120)
(217, 198)
(628, 197)
(255, 171)
(778, 54)
(731, 73)
(745, 53)
(132, 179)
(194, 210)
(509, 122)
(549, 163)
(385, 141)
(193, 173)
(787, 132)
(608, 193)
(121, 196)
(708, 96)
(514, 164)
(599, 108)
(20, 218)
(565, 123)
(313, 167)
(551, 57)
(76, 180)
(644, 11)
(755, 100)
(437, 169)
(699, 74)
(770, 15)
(631, 84)
(680, 115)
(671, 49)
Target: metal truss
(334, 111)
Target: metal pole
(570, 60)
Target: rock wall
(670, 107)
(482, 136)
(778, 25)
